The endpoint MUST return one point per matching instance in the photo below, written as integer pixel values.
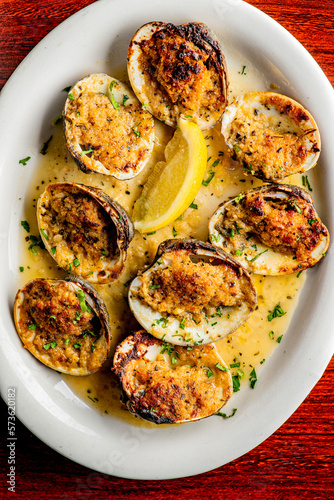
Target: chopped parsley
(25, 160)
(45, 146)
(194, 206)
(174, 232)
(222, 368)
(87, 152)
(276, 313)
(306, 182)
(44, 234)
(253, 378)
(112, 98)
(25, 225)
(35, 242)
(215, 237)
(163, 322)
(125, 98)
(136, 131)
(239, 198)
(21, 269)
(220, 414)
(51, 345)
(256, 256)
(182, 322)
(209, 179)
(33, 326)
(278, 340)
(82, 301)
(209, 372)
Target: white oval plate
(96, 39)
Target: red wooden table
(297, 460)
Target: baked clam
(64, 324)
(179, 71)
(106, 128)
(84, 230)
(273, 229)
(168, 384)
(194, 293)
(272, 135)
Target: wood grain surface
(297, 460)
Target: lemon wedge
(174, 183)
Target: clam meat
(271, 135)
(179, 71)
(168, 384)
(106, 128)
(194, 293)
(271, 230)
(84, 230)
(64, 324)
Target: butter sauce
(247, 348)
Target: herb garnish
(276, 313)
(220, 414)
(125, 98)
(45, 146)
(253, 378)
(25, 160)
(87, 152)
(44, 234)
(222, 368)
(112, 98)
(209, 179)
(25, 225)
(256, 256)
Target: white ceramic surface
(96, 39)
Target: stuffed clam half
(168, 384)
(64, 324)
(194, 293)
(106, 128)
(271, 135)
(84, 230)
(179, 71)
(273, 229)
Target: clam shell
(84, 230)
(104, 139)
(168, 384)
(272, 135)
(166, 81)
(51, 320)
(291, 218)
(194, 293)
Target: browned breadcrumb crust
(73, 216)
(271, 153)
(51, 323)
(183, 68)
(105, 134)
(194, 289)
(187, 386)
(289, 225)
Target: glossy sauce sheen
(253, 342)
